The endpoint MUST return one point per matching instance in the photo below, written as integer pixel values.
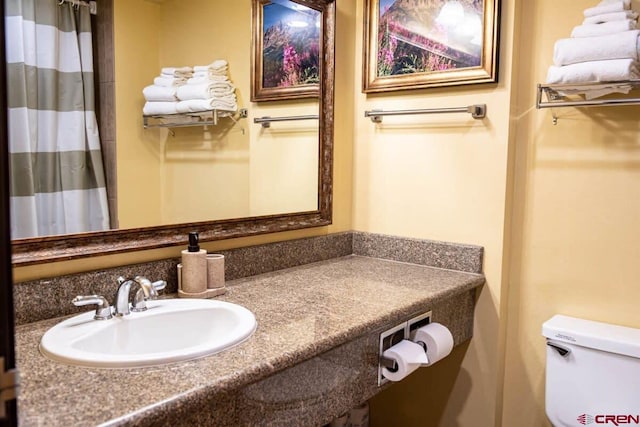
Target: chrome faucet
(146, 291)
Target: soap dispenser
(194, 269)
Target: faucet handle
(159, 285)
(146, 287)
(139, 300)
(103, 309)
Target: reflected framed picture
(412, 44)
(287, 47)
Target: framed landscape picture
(411, 44)
(287, 47)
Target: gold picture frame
(413, 44)
(287, 47)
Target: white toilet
(593, 373)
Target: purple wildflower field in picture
(290, 45)
(426, 36)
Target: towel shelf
(204, 118)
(570, 95)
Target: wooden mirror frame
(73, 246)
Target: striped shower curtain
(57, 174)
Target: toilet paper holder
(393, 336)
(388, 363)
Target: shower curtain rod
(92, 5)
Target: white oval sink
(170, 330)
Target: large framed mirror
(224, 175)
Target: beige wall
(136, 48)
(443, 177)
(577, 203)
(284, 159)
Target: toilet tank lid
(591, 334)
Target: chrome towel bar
(477, 111)
(266, 121)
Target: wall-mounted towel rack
(266, 120)
(204, 118)
(477, 111)
(571, 95)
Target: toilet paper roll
(408, 355)
(437, 339)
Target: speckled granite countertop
(301, 312)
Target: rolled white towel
(584, 49)
(222, 71)
(601, 9)
(224, 105)
(226, 98)
(198, 80)
(220, 84)
(219, 64)
(206, 79)
(194, 106)
(607, 17)
(222, 92)
(210, 74)
(159, 93)
(177, 71)
(197, 105)
(627, 3)
(594, 71)
(208, 69)
(159, 108)
(203, 91)
(611, 27)
(163, 80)
(169, 81)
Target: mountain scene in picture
(422, 36)
(290, 45)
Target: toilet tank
(593, 373)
